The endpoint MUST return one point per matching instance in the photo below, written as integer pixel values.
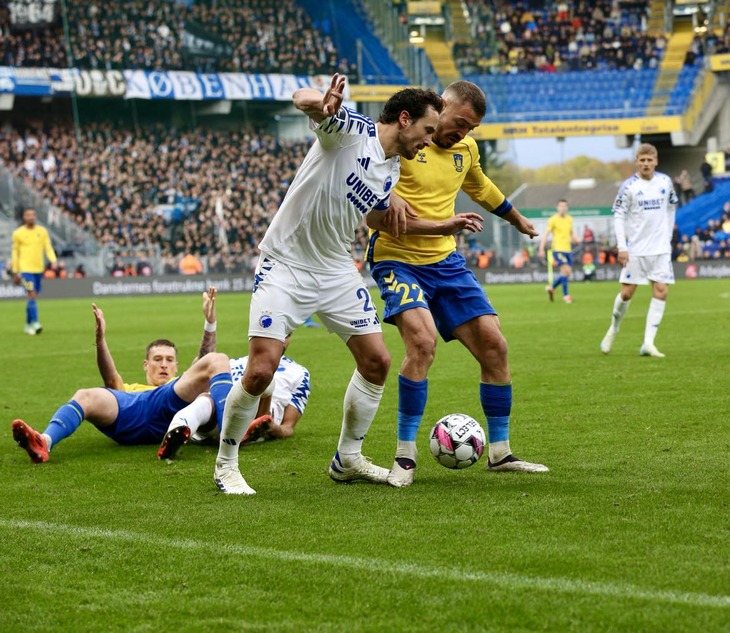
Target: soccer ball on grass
(457, 441)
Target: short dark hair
(469, 93)
(415, 101)
(562, 200)
(160, 342)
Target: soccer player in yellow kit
(428, 289)
(560, 225)
(30, 243)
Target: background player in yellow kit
(428, 289)
(30, 243)
(560, 225)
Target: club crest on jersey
(421, 157)
(388, 184)
(265, 320)
(459, 162)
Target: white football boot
(514, 464)
(230, 480)
(362, 470)
(402, 473)
(650, 350)
(607, 342)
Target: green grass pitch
(629, 531)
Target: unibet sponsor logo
(360, 194)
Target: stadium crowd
(157, 191)
(252, 36)
(512, 37)
(709, 242)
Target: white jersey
(644, 215)
(344, 175)
(291, 385)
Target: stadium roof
(541, 196)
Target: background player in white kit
(306, 265)
(277, 414)
(644, 218)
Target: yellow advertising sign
(379, 93)
(424, 7)
(590, 127)
(720, 63)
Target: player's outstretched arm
(104, 360)
(473, 222)
(318, 106)
(288, 422)
(208, 342)
(520, 222)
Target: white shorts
(284, 297)
(642, 269)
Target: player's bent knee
(423, 349)
(375, 367)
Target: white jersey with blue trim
(344, 175)
(644, 213)
(291, 385)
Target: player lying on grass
(133, 414)
(277, 414)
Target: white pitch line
(500, 579)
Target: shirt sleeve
(343, 128)
(620, 210)
(300, 393)
(481, 189)
(673, 198)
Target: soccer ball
(457, 441)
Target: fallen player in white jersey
(277, 415)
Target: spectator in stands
(589, 266)
(589, 241)
(125, 193)
(726, 217)
(727, 158)
(118, 268)
(143, 267)
(256, 37)
(546, 36)
(685, 186)
(483, 258)
(190, 265)
(80, 272)
(706, 171)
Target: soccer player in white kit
(306, 266)
(277, 414)
(644, 218)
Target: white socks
(498, 451)
(406, 449)
(653, 319)
(619, 310)
(238, 413)
(197, 413)
(362, 399)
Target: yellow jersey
(29, 246)
(136, 386)
(429, 183)
(562, 229)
